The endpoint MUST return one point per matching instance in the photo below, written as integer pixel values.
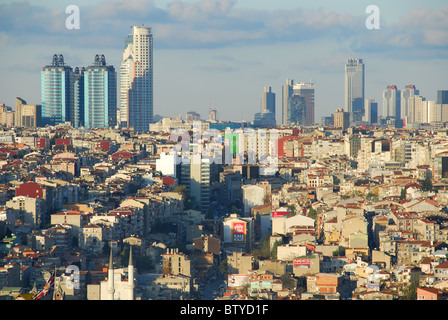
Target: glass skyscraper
(392, 102)
(57, 92)
(136, 81)
(408, 92)
(78, 108)
(303, 90)
(100, 94)
(354, 89)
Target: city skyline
(221, 54)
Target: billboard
(276, 214)
(239, 232)
(237, 280)
(300, 263)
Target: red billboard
(302, 262)
(238, 232)
(276, 214)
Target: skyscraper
(306, 90)
(371, 111)
(266, 118)
(286, 94)
(57, 92)
(78, 109)
(302, 89)
(354, 88)
(442, 96)
(268, 100)
(296, 107)
(392, 102)
(136, 80)
(100, 91)
(408, 92)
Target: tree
(312, 213)
(403, 194)
(427, 184)
(224, 267)
(274, 249)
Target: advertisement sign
(276, 214)
(302, 263)
(237, 280)
(238, 232)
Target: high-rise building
(408, 92)
(354, 89)
(266, 117)
(78, 109)
(268, 100)
(57, 92)
(100, 94)
(136, 80)
(341, 119)
(306, 90)
(296, 107)
(442, 96)
(392, 102)
(195, 174)
(286, 94)
(417, 110)
(27, 115)
(371, 111)
(292, 111)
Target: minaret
(131, 276)
(110, 280)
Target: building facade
(354, 88)
(100, 90)
(57, 92)
(136, 84)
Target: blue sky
(222, 53)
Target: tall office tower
(136, 80)
(442, 96)
(78, 87)
(391, 102)
(286, 94)
(434, 112)
(57, 92)
(212, 115)
(408, 91)
(354, 89)
(296, 110)
(100, 94)
(306, 90)
(268, 100)
(27, 115)
(266, 117)
(417, 110)
(371, 111)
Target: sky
(222, 53)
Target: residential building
(57, 92)
(100, 101)
(27, 115)
(136, 84)
(409, 91)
